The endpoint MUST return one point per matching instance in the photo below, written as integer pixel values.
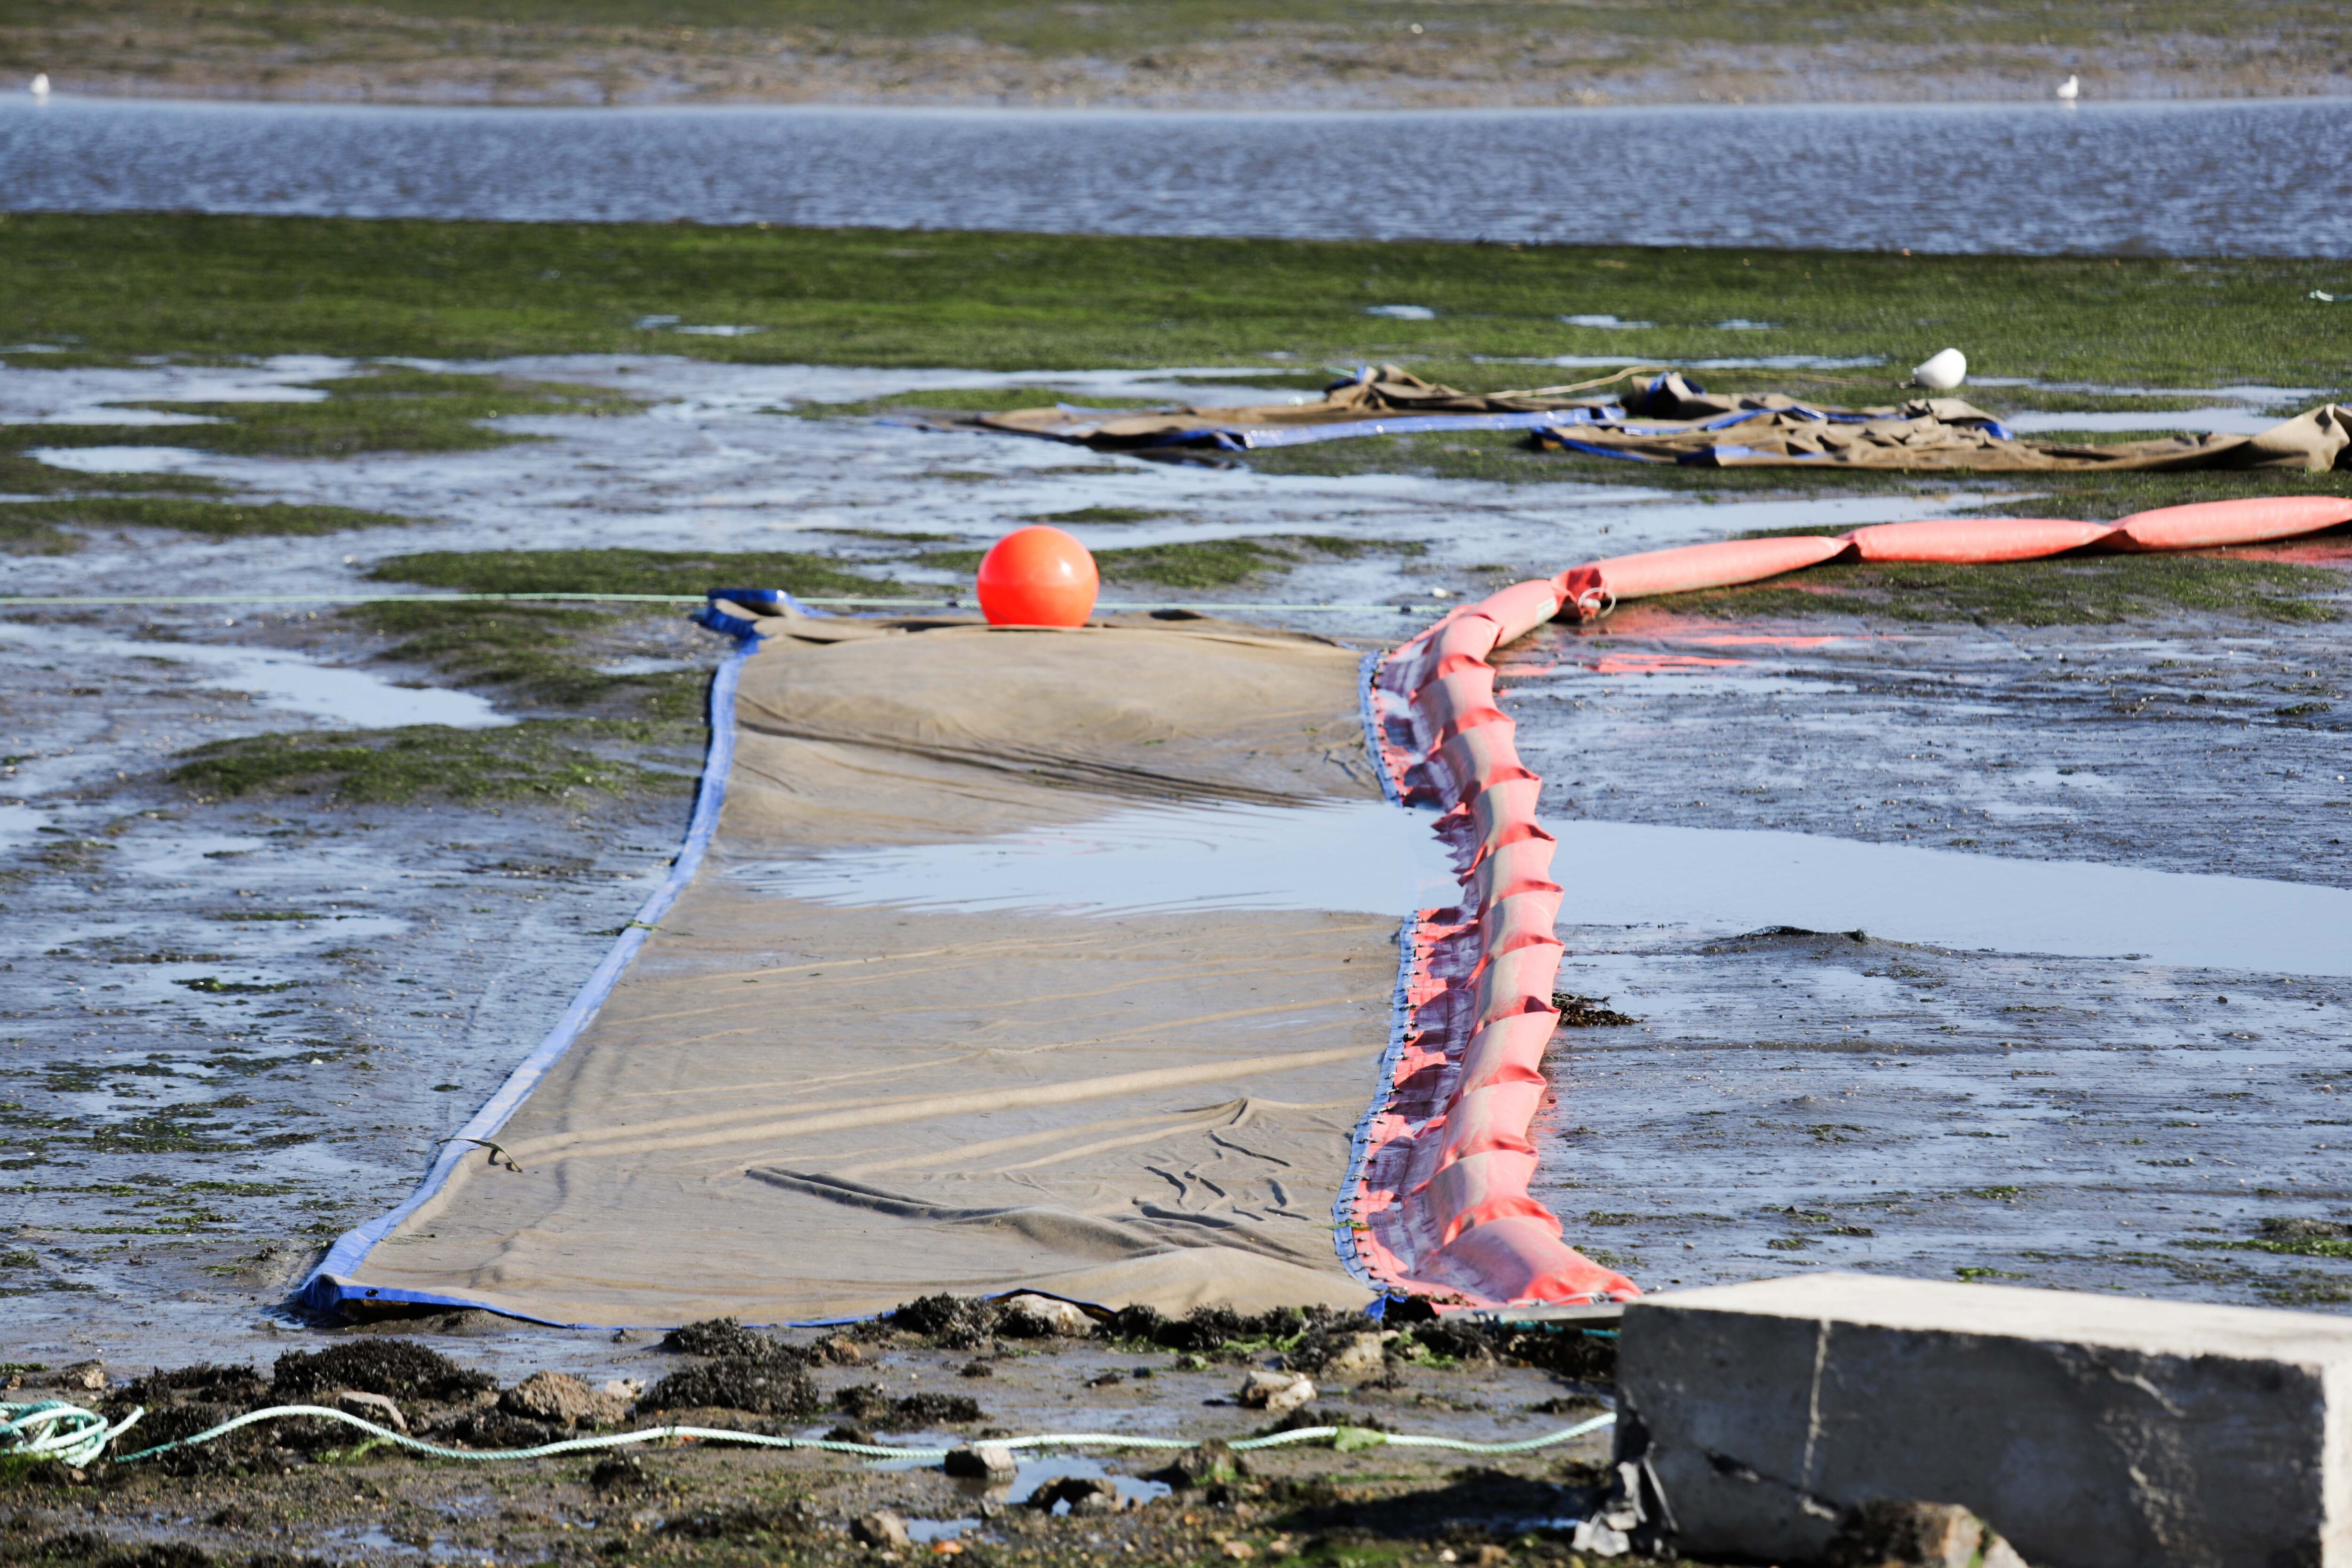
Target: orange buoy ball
(1037, 576)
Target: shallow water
(2231, 178)
(1723, 881)
(2092, 1052)
(118, 459)
(281, 679)
(1351, 856)
(2217, 421)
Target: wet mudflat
(1878, 1092)
(291, 887)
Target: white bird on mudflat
(41, 84)
(1941, 371)
(2070, 90)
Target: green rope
(53, 1429)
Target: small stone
(881, 1528)
(374, 1407)
(619, 1473)
(1084, 1494)
(1490, 1556)
(1028, 1316)
(1362, 1358)
(1276, 1392)
(561, 1398)
(1896, 1533)
(977, 1369)
(1239, 1550)
(85, 1376)
(1211, 1463)
(981, 1461)
(1600, 1538)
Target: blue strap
(719, 620)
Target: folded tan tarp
(1382, 392)
(790, 1110)
(1669, 420)
(1774, 430)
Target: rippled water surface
(2179, 179)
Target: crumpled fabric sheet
(1674, 422)
(1669, 419)
(1374, 393)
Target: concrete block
(2091, 1431)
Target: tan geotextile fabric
(1671, 421)
(790, 1112)
(1945, 433)
(1387, 391)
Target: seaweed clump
(954, 1322)
(727, 1337)
(181, 1403)
(397, 1369)
(748, 1371)
(867, 1403)
(1221, 1330)
(757, 1385)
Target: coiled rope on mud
(52, 1429)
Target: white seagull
(1941, 371)
(2070, 90)
(41, 84)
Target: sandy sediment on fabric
(790, 1110)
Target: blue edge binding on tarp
(333, 1285)
(1343, 1216)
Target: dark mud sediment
(979, 1371)
(2092, 1121)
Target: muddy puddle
(285, 679)
(1364, 856)
(1724, 881)
(1953, 953)
(2214, 420)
